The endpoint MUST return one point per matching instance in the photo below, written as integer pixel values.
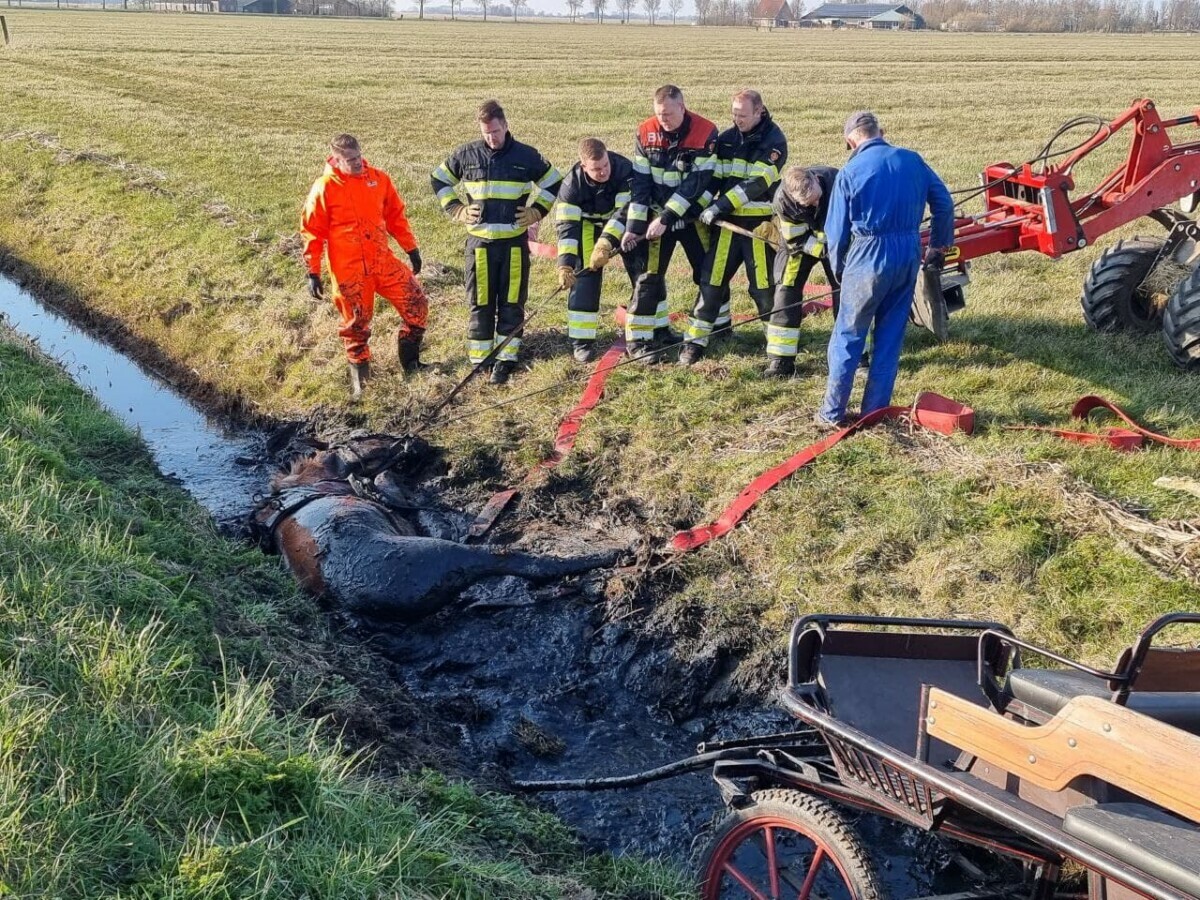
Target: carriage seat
(1145, 837)
(1049, 690)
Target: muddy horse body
(370, 560)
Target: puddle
(217, 467)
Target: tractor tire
(1181, 323)
(1113, 298)
(815, 852)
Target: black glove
(414, 259)
(935, 259)
(314, 287)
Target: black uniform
(497, 262)
(672, 170)
(586, 211)
(803, 229)
(749, 163)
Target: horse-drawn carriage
(940, 725)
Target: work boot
(667, 336)
(408, 348)
(502, 371)
(360, 373)
(780, 367)
(583, 351)
(691, 354)
(645, 352)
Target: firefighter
(750, 156)
(351, 210)
(673, 167)
(592, 206)
(873, 230)
(499, 188)
(801, 204)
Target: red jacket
(353, 215)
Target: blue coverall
(873, 232)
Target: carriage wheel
(787, 844)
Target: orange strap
(1126, 439)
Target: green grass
(152, 170)
(143, 753)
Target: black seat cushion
(1049, 690)
(1145, 837)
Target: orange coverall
(351, 216)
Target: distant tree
(575, 5)
(626, 7)
(483, 7)
(454, 4)
(518, 6)
(703, 11)
(676, 5)
(652, 8)
(598, 9)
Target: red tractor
(1142, 283)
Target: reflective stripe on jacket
(749, 165)
(671, 170)
(582, 200)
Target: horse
(359, 552)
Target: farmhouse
(863, 15)
(772, 14)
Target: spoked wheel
(787, 844)
(1121, 293)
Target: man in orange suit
(350, 212)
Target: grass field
(152, 169)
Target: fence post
(4, 28)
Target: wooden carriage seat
(1167, 687)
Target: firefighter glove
(935, 259)
(566, 278)
(528, 215)
(467, 214)
(768, 231)
(314, 287)
(709, 215)
(601, 254)
(414, 259)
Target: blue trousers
(881, 295)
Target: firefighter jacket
(582, 201)
(353, 215)
(500, 181)
(672, 170)
(748, 166)
(803, 227)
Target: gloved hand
(629, 240)
(414, 259)
(602, 253)
(935, 259)
(768, 231)
(466, 214)
(528, 215)
(656, 229)
(314, 287)
(710, 215)
(566, 278)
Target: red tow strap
(1118, 438)
(931, 411)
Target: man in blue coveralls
(873, 231)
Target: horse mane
(309, 470)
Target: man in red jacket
(350, 212)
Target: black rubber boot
(583, 351)
(408, 349)
(502, 371)
(360, 374)
(780, 367)
(645, 352)
(691, 354)
(667, 336)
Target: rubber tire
(1181, 323)
(1108, 293)
(811, 816)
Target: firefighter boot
(780, 367)
(360, 374)
(690, 354)
(645, 352)
(502, 371)
(408, 350)
(583, 351)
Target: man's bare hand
(656, 230)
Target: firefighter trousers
(354, 298)
(497, 276)
(648, 311)
(725, 256)
(583, 303)
(791, 275)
